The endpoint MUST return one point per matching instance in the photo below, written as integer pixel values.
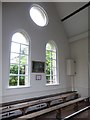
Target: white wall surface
(89, 65)
(16, 16)
(79, 52)
(0, 52)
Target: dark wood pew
(23, 105)
(56, 108)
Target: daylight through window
(51, 64)
(38, 15)
(19, 56)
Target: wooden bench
(25, 104)
(56, 108)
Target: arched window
(51, 63)
(19, 60)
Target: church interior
(44, 60)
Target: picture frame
(38, 67)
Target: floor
(85, 114)
(67, 111)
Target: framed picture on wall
(38, 66)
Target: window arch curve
(19, 59)
(51, 63)
(36, 11)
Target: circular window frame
(41, 9)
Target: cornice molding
(80, 36)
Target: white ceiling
(76, 24)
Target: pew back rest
(20, 105)
(52, 108)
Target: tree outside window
(51, 67)
(19, 60)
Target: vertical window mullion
(56, 67)
(50, 67)
(18, 75)
(19, 65)
(28, 68)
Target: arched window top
(19, 60)
(51, 63)
(20, 38)
(51, 46)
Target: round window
(39, 15)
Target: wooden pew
(56, 108)
(25, 104)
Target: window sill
(17, 87)
(52, 84)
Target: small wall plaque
(38, 77)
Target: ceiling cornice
(80, 36)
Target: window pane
(14, 69)
(48, 55)
(24, 49)
(53, 55)
(13, 80)
(53, 71)
(15, 47)
(48, 61)
(53, 63)
(24, 59)
(54, 78)
(48, 79)
(53, 48)
(38, 15)
(22, 80)
(47, 70)
(48, 46)
(24, 69)
(14, 58)
(19, 38)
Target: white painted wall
(0, 52)
(79, 52)
(89, 65)
(16, 16)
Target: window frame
(56, 81)
(26, 36)
(41, 10)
